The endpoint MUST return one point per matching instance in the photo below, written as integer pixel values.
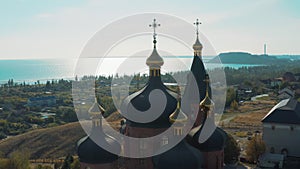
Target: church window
(292, 128)
(165, 141)
(272, 150)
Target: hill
(52, 142)
(246, 58)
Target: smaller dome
(207, 102)
(140, 101)
(155, 60)
(215, 142)
(90, 152)
(96, 108)
(182, 156)
(197, 45)
(178, 116)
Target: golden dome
(197, 45)
(155, 60)
(207, 102)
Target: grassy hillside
(52, 142)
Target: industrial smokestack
(265, 49)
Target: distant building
(41, 101)
(244, 93)
(297, 76)
(281, 128)
(288, 77)
(286, 93)
(272, 82)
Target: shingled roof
(285, 112)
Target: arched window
(272, 150)
(273, 127)
(165, 141)
(285, 152)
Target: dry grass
(45, 143)
(250, 119)
(52, 142)
(250, 115)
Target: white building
(281, 128)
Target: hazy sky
(60, 28)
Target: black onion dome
(89, 152)
(198, 75)
(182, 156)
(140, 101)
(215, 142)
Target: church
(191, 152)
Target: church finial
(154, 61)
(197, 46)
(197, 23)
(154, 25)
(206, 80)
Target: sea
(33, 70)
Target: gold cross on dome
(154, 25)
(197, 23)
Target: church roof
(195, 81)
(215, 142)
(286, 112)
(140, 101)
(154, 60)
(96, 108)
(182, 156)
(90, 152)
(197, 45)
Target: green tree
(48, 84)
(2, 135)
(38, 167)
(231, 151)
(234, 105)
(255, 148)
(42, 167)
(67, 162)
(4, 163)
(75, 164)
(231, 95)
(19, 160)
(284, 85)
